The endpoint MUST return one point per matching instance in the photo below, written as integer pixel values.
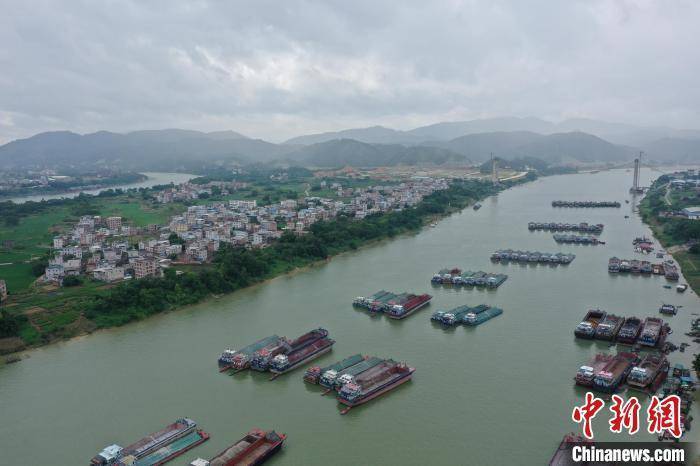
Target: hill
(341, 152)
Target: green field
(690, 264)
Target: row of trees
(234, 268)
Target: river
(501, 393)
(154, 178)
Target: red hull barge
(401, 311)
(373, 383)
(253, 449)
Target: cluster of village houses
(688, 180)
(110, 249)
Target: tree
(72, 280)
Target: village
(110, 249)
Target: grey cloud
(278, 69)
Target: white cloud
(275, 70)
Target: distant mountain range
(568, 142)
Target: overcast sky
(279, 69)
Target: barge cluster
(276, 354)
(667, 269)
(506, 255)
(577, 204)
(598, 324)
(395, 306)
(358, 379)
(579, 227)
(456, 276)
(576, 239)
(470, 316)
(608, 372)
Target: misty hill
(553, 148)
(341, 152)
(674, 149)
(141, 150)
(372, 135)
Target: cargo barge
(617, 265)
(589, 324)
(252, 450)
(454, 316)
(614, 372)
(263, 359)
(147, 445)
(509, 255)
(630, 331)
(650, 371)
(313, 374)
(577, 204)
(582, 227)
(576, 239)
(400, 309)
(480, 314)
(609, 327)
(651, 331)
(171, 451)
(586, 374)
(468, 278)
(230, 357)
(333, 379)
(283, 363)
(373, 383)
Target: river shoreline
(11, 356)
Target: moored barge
(313, 374)
(229, 356)
(454, 316)
(252, 450)
(614, 372)
(374, 382)
(334, 379)
(609, 327)
(480, 314)
(651, 331)
(263, 359)
(586, 374)
(577, 204)
(589, 324)
(150, 443)
(650, 370)
(630, 330)
(283, 363)
(400, 309)
(170, 451)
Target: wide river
(498, 394)
(154, 178)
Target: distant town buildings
(102, 248)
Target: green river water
(498, 394)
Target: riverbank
(82, 312)
(675, 234)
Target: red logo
(665, 415)
(625, 415)
(587, 412)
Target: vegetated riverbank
(75, 183)
(236, 268)
(678, 235)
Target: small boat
(668, 287)
(681, 288)
(477, 206)
(668, 309)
